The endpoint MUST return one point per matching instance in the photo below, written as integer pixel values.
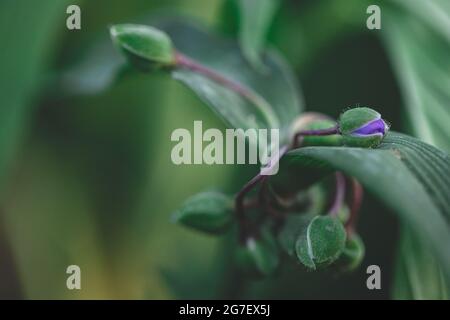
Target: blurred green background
(86, 179)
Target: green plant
(409, 176)
(90, 183)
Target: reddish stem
(249, 186)
(339, 194)
(358, 193)
(186, 62)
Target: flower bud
(210, 212)
(362, 127)
(321, 243)
(146, 47)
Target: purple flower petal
(373, 127)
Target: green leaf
(146, 47)
(255, 19)
(417, 39)
(417, 274)
(26, 46)
(321, 242)
(409, 176)
(277, 87)
(210, 212)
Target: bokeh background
(86, 178)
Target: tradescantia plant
(287, 213)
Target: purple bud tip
(377, 126)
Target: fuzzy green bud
(146, 47)
(362, 127)
(321, 243)
(210, 212)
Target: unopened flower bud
(144, 46)
(210, 212)
(321, 243)
(362, 127)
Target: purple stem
(358, 193)
(250, 185)
(183, 61)
(339, 194)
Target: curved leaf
(24, 50)
(418, 276)
(391, 174)
(418, 42)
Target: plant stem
(319, 132)
(249, 186)
(264, 200)
(358, 193)
(184, 61)
(339, 194)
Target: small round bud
(362, 127)
(321, 243)
(144, 46)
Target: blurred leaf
(392, 174)
(321, 242)
(25, 49)
(418, 42)
(436, 14)
(418, 275)
(419, 56)
(210, 212)
(255, 19)
(96, 70)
